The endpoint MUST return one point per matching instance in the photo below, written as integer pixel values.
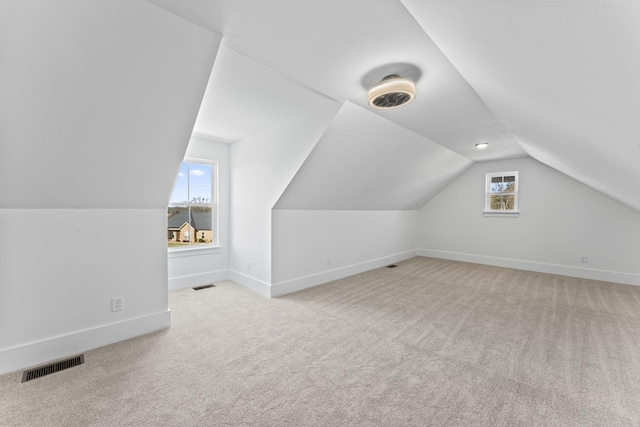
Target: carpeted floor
(431, 342)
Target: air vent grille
(51, 368)
(199, 288)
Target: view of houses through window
(191, 211)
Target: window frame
(487, 195)
(214, 245)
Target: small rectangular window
(501, 193)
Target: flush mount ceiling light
(392, 92)
(482, 145)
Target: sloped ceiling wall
(366, 162)
(562, 75)
(245, 97)
(556, 80)
(97, 102)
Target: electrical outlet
(248, 266)
(584, 259)
(117, 304)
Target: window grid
(501, 193)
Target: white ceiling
(556, 80)
(334, 48)
(562, 75)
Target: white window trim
(178, 252)
(501, 214)
(488, 212)
(212, 247)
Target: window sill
(502, 214)
(192, 251)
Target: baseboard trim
(299, 284)
(540, 267)
(263, 288)
(36, 353)
(200, 279)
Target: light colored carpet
(431, 342)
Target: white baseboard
(200, 279)
(36, 353)
(299, 284)
(540, 267)
(263, 288)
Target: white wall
(201, 266)
(314, 247)
(59, 269)
(560, 220)
(97, 103)
(262, 165)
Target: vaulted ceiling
(555, 80)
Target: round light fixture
(482, 145)
(392, 92)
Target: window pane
(496, 202)
(498, 187)
(496, 179)
(509, 187)
(201, 221)
(508, 202)
(509, 179)
(199, 183)
(177, 226)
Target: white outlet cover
(117, 304)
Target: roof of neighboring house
(199, 220)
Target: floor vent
(199, 288)
(51, 368)
(391, 266)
